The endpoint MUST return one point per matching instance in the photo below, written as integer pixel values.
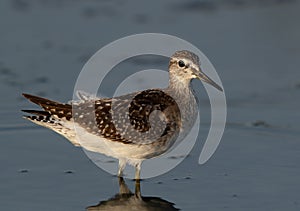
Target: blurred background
(255, 48)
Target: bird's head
(185, 65)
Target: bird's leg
(138, 171)
(137, 191)
(138, 179)
(122, 164)
(123, 187)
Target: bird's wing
(137, 118)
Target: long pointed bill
(201, 76)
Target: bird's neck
(180, 90)
(179, 86)
(182, 93)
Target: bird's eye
(181, 63)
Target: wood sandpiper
(122, 127)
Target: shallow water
(255, 48)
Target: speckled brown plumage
(96, 115)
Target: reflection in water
(126, 200)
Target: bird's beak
(201, 76)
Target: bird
(132, 127)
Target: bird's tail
(51, 108)
(53, 116)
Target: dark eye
(181, 63)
